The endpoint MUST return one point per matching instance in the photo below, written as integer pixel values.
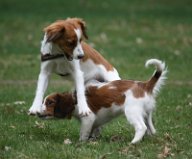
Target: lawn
(127, 33)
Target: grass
(127, 33)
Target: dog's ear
(54, 32)
(83, 27)
(64, 107)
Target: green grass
(127, 33)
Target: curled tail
(154, 84)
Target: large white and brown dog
(64, 52)
(107, 100)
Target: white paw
(84, 110)
(139, 135)
(34, 110)
(151, 132)
(83, 138)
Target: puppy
(108, 100)
(64, 52)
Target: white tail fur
(160, 67)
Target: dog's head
(68, 34)
(58, 105)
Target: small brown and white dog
(64, 52)
(107, 100)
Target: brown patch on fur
(108, 94)
(138, 90)
(92, 54)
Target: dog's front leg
(46, 70)
(86, 126)
(80, 88)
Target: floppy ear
(83, 27)
(64, 107)
(54, 32)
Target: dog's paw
(83, 138)
(151, 132)
(34, 110)
(83, 109)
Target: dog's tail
(154, 84)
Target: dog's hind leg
(150, 127)
(135, 117)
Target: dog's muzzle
(80, 56)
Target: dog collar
(46, 57)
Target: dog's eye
(50, 102)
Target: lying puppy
(108, 100)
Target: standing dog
(107, 100)
(64, 52)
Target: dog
(64, 52)
(107, 100)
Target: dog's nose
(80, 56)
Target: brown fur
(60, 105)
(112, 93)
(92, 54)
(151, 83)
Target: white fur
(160, 66)
(81, 72)
(95, 70)
(43, 107)
(78, 51)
